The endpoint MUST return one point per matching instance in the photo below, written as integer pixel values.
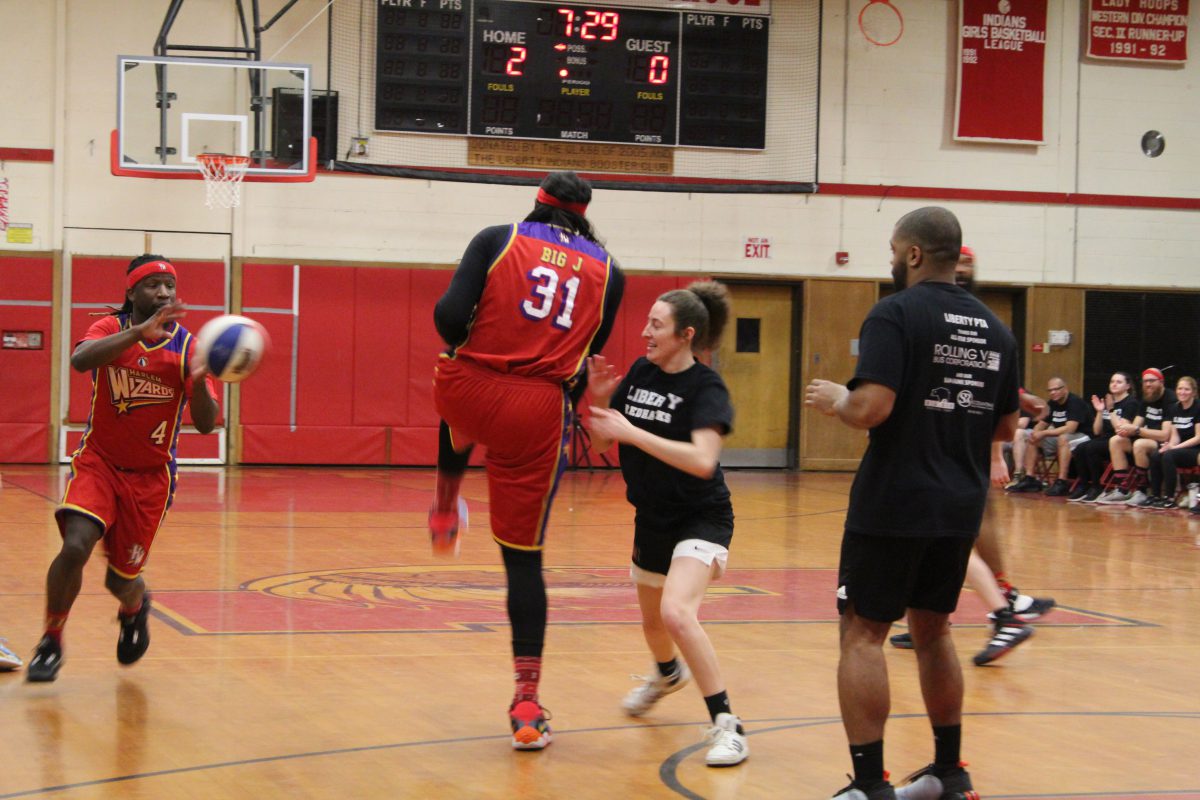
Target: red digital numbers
(513, 65)
(596, 25)
(659, 67)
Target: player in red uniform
(123, 474)
(527, 304)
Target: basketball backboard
(171, 109)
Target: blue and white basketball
(232, 346)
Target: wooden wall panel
(1054, 308)
(833, 312)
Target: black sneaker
(1027, 484)
(880, 791)
(938, 783)
(1059, 488)
(1007, 633)
(1093, 494)
(1078, 493)
(134, 637)
(1161, 504)
(1026, 608)
(1148, 501)
(46, 661)
(904, 640)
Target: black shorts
(654, 540)
(883, 576)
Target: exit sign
(756, 247)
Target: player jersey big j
(138, 398)
(538, 321)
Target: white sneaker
(654, 688)
(926, 787)
(8, 659)
(1137, 499)
(728, 746)
(1113, 497)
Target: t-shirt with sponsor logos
(953, 366)
(1152, 411)
(672, 405)
(1073, 408)
(1126, 409)
(138, 397)
(1184, 419)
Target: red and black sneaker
(529, 728)
(445, 528)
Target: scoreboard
(566, 72)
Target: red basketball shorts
(128, 505)
(525, 424)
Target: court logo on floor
(473, 597)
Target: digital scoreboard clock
(566, 72)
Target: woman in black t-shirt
(669, 416)
(1091, 456)
(1182, 448)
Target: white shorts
(715, 555)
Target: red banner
(1001, 65)
(1138, 30)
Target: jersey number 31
(544, 290)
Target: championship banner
(1001, 66)
(1138, 30)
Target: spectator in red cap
(1140, 436)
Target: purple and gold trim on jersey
(566, 426)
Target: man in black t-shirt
(1063, 429)
(1141, 436)
(936, 383)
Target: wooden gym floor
(306, 644)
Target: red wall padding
(313, 444)
(191, 445)
(364, 377)
(364, 368)
(25, 412)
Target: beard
(966, 282)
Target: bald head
(936, 231)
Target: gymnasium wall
(885, 126)
(885, 120)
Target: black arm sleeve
(612, 304)
(452, 314)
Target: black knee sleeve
(526, 600)
(449, 461)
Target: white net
(223, 176)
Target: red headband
(967, 251)
(147, 269)
(1157, 373)
(548, 199)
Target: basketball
(232, 346)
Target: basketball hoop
(222, 178)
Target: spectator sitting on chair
(1057, 435)
(1182, 448)
(1140, 436)
(1090, 457)
(1016, 461)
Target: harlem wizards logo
(131, 388)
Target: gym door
(755, 359)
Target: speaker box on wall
(287, 128)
